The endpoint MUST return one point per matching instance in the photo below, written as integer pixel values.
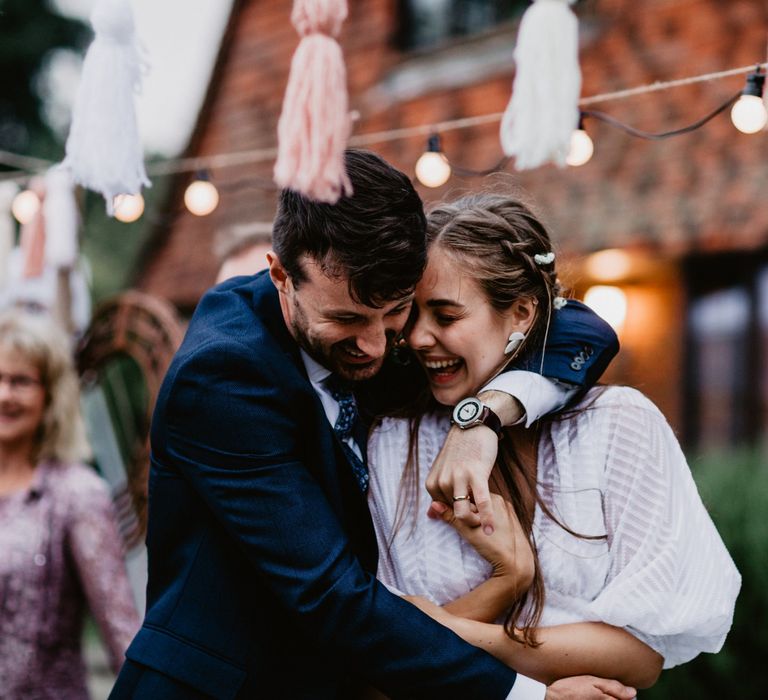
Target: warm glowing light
(433, 169)
(201, 197)
(610, 303)
(25, 205)
(608, 265)
(749, 114)
(581, 148)
(128, 207)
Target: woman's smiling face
(22, 399)
(458, 336)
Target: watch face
(468, 411)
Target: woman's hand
(508, 550)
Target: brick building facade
(686, 212)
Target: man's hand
(462, 469)
(588, 688)
(464, 464)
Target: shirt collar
(315, 371)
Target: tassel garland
(315, 123)
(32, 235)
(543, 112)
(104, 151)
(8, 191)
(61, 219)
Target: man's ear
(522, 314)
(277, 272)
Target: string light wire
(26, 164)
(650, 136)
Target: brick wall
(694, 192)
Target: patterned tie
(345, 427)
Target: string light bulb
(608, 302)
(24, 206)
(581, 148)
(128, 207)
(748, 114)
(201, 196)
(432, 167)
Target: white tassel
(104, 151)
(544, 110)
(61, 219)
(8, 191)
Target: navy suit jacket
(261, 551)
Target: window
(726, 396)
(719, 327)
(426, 23)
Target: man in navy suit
(261, 551)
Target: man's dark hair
(376, 237)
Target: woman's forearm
(489, 601)
(592, 648)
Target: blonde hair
(61, 436)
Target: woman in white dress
(604, 560)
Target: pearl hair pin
(544, 258)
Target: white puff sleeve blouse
(614, 468)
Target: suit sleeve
(580, 345)
(235, 432)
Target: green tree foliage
(735, 489)
(29, 31)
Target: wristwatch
(472, 411)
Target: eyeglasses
(19, 383)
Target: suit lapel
(324, 457)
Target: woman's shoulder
(75, 481)
(608, 416)
(617, 400)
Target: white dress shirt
(318, 377)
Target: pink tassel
(315, 123)
(32, 236)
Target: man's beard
(330, 356)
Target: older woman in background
(60, 549)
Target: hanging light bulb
(432, 167)
(748, 114)
(128, 207)
(610, 303)
(581, 148)
(201, 196)
(24, 206)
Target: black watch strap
(489, 418)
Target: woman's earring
(515, 341)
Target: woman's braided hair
(497, 238)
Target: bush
(735, 489)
